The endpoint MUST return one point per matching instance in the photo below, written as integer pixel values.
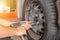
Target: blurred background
(7, 9)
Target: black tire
(50, 14)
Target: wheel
(43, 17)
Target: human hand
(21, 30)
(27, 26)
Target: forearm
(7, 31)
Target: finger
(22, 33)
(27, 27)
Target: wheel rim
(34, 13)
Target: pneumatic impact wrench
(15, 25)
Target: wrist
(15, 31)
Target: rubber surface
(51, 18)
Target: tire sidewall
(51, 23)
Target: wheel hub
(36, 17)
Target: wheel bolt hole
(43, 23)
(36, 5)
(36, 19)
(42, 17)
(39, 7)
(40, 32)
(41, 11)
(42, 29)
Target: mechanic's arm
(6, 31)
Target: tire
(50, 14)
